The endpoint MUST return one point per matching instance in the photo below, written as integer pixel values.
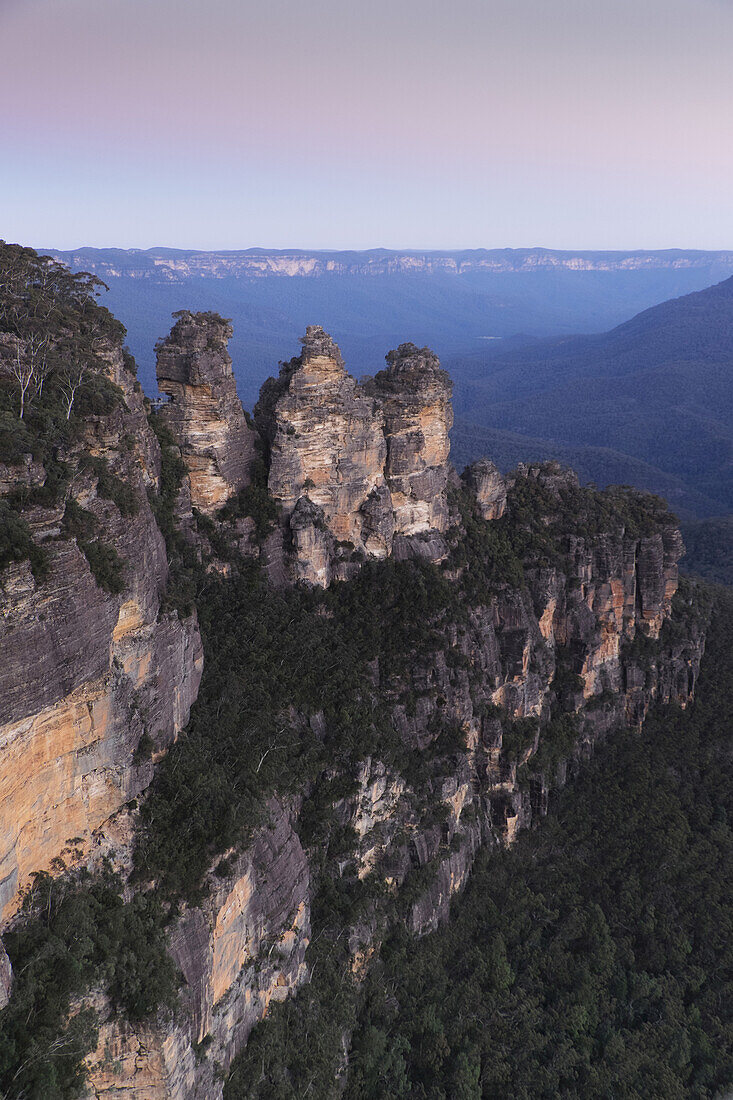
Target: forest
(594, 958)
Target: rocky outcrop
(204, 413)
(574, 636)
(358, 471)
(170, 266)
(415, 395)
(327, 453)
(6, 977)
(85, 673)
(241, 950)
(488, 487)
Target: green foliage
(78, 522)
(488, 553)
(557, 742)
(269, 653)
(51, 328)
(593, 958)
(76, 932)
(16, 543)
(518, 737)
(106, 565)
(253, 501)
(186, 579)
(111, 487)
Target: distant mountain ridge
(175, 264)
(456, 302)
(657, 389)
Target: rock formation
(488, 486)
(416, 397)
(239, 951)
(85, 674)
(359, 471)
(578, 627)
(204, 413)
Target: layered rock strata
(85, 674)
(488, 486)
(204, 413)
(415, 395)
(359, 471)
(242, 949)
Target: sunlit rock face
(84, 674)
(238, 952)
(205, 415)
(416, 397)
(359, 471)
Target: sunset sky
(364, 123)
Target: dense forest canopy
(592, 959)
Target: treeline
(53, 339)
(592, 959)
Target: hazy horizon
(40, 246)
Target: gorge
(272, 682)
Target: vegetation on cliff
(591, 959)
(53, 336)
(444, 678)
(76, 932)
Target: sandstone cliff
(169, 266)
(204, 413)
(238, 952)
(85, 673)
(359, 471)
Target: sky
(367, 123)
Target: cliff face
(172, 266)
(85, 673)
(586, 641)
(548, 620)
(238, 952)
(204, 413)
(488, 487)
(358, 471)
(415, 395)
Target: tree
(21, 368)
(73, 379)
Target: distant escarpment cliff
(172, 265)
(399, 665)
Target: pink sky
(337, 123)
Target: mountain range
(650, 401)
(458, 303)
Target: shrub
(106, 565)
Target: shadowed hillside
(657, 389)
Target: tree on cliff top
(50, 323)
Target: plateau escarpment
(400, 665)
